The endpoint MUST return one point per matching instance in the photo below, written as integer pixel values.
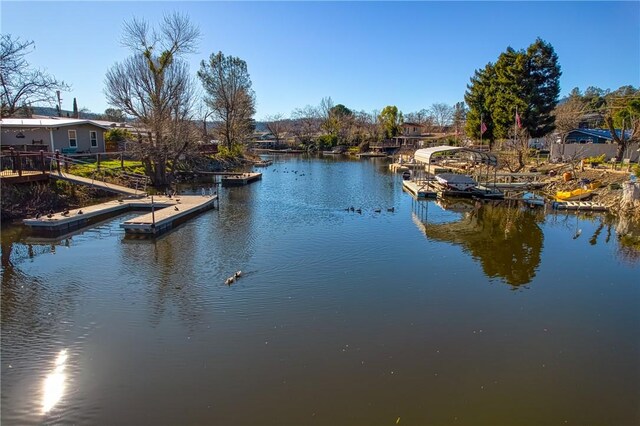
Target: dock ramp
(96, 183)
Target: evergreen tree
(543, 73)
(478, 98)
(525, 79)
(75, 109)
(510, 89)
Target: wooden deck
(23, 176)
(166, 216)
(240, 178)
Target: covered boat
(456, 181)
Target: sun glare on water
(54, 383)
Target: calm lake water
(432, 313)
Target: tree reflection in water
(505, 239)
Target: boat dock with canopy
(472, 156)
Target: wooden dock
(263, 163)
(580, 205)
(164, 215)
(420, 189)
(180, 209)
(240, 178)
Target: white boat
(456, 181)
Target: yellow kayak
(575, 195)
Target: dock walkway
(164, 216)
(240, 178)
(112, 187)
(579, 205)
(179, 209)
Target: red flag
(483, 128)
(518, 122)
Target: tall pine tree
(478, 98)
(524, 79)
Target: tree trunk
(621, 140)
(620, 152)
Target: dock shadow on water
(401, 310)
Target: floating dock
(166, 213)
(580, 205)
(240, 178)
(178, 210)
(421, 189)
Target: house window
(93, 135)
(73, 140)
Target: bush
(234, 152)
(636, 170)
(109, 167)
(595, 160)
(327, 141)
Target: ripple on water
(327, 296)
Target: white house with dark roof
(68, 135)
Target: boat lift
(475, 156)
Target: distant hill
(39, 110)
(261, 126)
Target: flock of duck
(65, 213)
(376, 210)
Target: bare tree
(442, 114)
(364, 128)
(277, 125)
(423, 117)
(568, 115)
(153, 85)
(305, 124)
(227, 85)
(21, 85)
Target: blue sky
(365, 55)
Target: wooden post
(98, 159)
(13, 159)
(19, 161)
(42, 161)
(65, 160)
(58, 160)
(122, 160)
(153, 214)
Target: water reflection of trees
(178, 269)
(506, 240)
(628, 232)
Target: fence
(19, 163)
(577, 151)
(14, 163)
